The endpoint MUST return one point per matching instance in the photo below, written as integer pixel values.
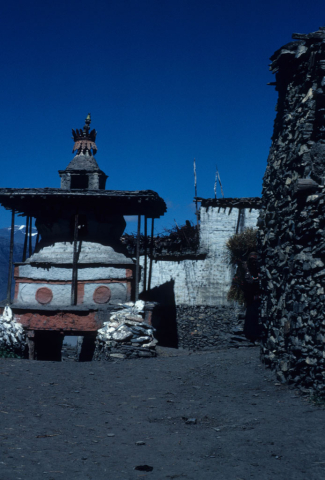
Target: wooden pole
(137, 266)
(145, 254)
(195, 193)
(26, 239)
(37, 239)
(30, 236)
(11, 255)
(31, 344)
(305, 186)
(238, 220)
(74, 263)
(151, 253)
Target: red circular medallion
(102, 295)
(44, 295)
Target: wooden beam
(11, 255)
(305, 186)
(74, 263)
(145, 254)
(31, 344)
(37, 240)
(26, 239)
(30, 250)
(137, 266)
(151, 253)
(238, 220)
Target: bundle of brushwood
(239, 246)
(178, 240)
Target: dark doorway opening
(55, 347)
(164, 316)
(48, 346)
(79, 181)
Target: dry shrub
(240, 245)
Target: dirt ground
(215, 415)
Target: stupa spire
(84, 140)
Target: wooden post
(74, 263)
(238, 220)
(11, 255)
(37, 240)
(137, 266)
(151, 253)
(26, 239)
(31, 344)
(305, 186)
(145, 254)
(30, 237)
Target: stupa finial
(84, 141)
(87, 123)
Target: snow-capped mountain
(19, 232)
(19, 239)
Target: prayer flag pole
(195, 189)
(219, 179)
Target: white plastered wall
(205, 281)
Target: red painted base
(60, 321)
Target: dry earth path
(216, 416)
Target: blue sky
(165, 81)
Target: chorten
(79, 272)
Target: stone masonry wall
(292, 225)
(205, 328)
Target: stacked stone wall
(206, 327)
(292, 225)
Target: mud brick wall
(292, 225)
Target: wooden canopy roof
(38, 201)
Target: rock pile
(126, 335)
(12, 335)
(292, 224)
